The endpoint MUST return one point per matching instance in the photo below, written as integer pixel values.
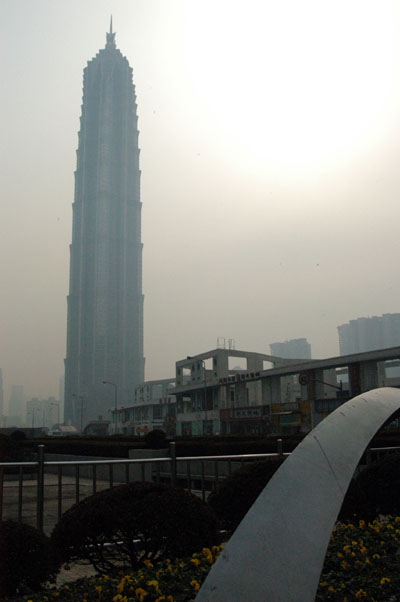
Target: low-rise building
(214, 396)
(220, 392)
(154, 407)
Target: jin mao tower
(105, 301)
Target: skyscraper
(105, 301)
(365, 334)
(293, 349)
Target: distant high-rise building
(294, 349)
(105, 302)
(42, 412)
(367, 334)
(16, 406)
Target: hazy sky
(270, 153)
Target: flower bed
(362, 563)
(168, 581)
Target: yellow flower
(170, 598)
(346, 548)
(195, 584)
(120, 586)
(148, 563)
(98, 588)
(384, 580)
(361, 524)
(323, 583)
(339, 555)
(195, 561)
(344, 564)
(363, 550)
(140, 593)
(331, 588)
(397, 519)
(376, 556)
(160, 598)
(154, 583)
(360, 594)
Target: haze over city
(270, 143)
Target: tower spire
(110, 36)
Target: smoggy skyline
(270, 143)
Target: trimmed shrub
(374, 491)
(18, 435)
(132, 523)
(155, 439)
(26, 558)
(238, 492)
(233, 444)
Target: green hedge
(128, 524)
(118, 447)
(110, 447)
(374, 491)
(205, 446)
(27, 560)
(238, 492)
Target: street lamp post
(56, 403)
(107, 382)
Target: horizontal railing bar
(233, 457)
(160, 460)
(18, 464)
(375, 449)
(103, 462)
(165, 459)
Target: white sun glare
(294, 84)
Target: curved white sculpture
(277, 552)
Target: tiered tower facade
(105, 301)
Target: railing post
(40, 488)
(279, 446)
(172, 453)
(1, 491)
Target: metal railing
(197, 474)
